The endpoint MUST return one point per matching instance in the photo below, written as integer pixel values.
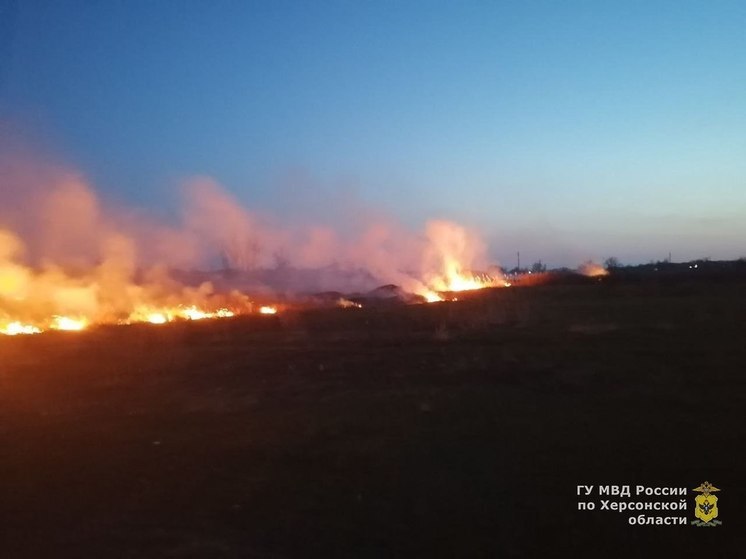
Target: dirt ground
(448, 430)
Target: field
(454, 429)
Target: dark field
(446, 430)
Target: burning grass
(69, 261)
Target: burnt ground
(446, 430)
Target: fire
(16, 328)
(592, 270)
(81, 264)
(162, 316)
(141, 314)
(193, 313)
(431, 296)
(453, 252)
(157, 318)
(456, 280)
(67, 323)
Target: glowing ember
(268, 310)
(16, 328)
(347, 304)
(67, 323)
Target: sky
(564, 130)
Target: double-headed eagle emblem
(706, 505)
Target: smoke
(451, 250)
(65, 251)
(217, 220)
(381, 249)
(592, 269)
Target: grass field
(448, 430)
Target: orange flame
(67, 323)
(453, 251)
(86, 268)
(16, 328)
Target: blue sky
(566, 130)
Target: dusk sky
(565, 130)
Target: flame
(347, 304)
(83, 266)
(162, 316)
(140, 314)
(16, 328)
(456, 280)
(453, 252)
(67, 323)
(193, 313)
(57, 322)
(430, 296)
(157, 318)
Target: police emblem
(706, 505)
